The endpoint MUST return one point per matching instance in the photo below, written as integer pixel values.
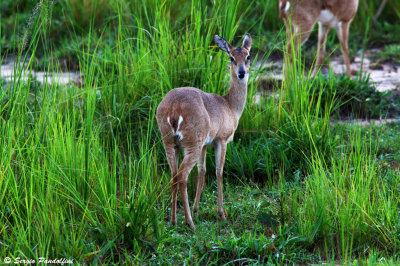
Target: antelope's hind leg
(190, 159)
(200, 180)
(172, 153)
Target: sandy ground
(386, 75)
(7, 72)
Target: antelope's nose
(241, 74)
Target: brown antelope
(300, 17)
(190, 119)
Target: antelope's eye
(232, 59)
(248, 58)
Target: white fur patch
(321, 30)
(340, 32)
(230, 138)
(280, 4)
(245, 79)
(179, 134)
(287, 7)
(326, 17)
(217, 151)
(208, 141)
(179, 122)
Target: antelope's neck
(237, 94)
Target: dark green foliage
(356, 98)
(390, 54)
(267, 218)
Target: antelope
(300, 17)
(190, 119)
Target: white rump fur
(287, 6)
(177, 133)
(179, 122)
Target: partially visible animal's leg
(343, 34)
(201, 164)
(297, 34)
(289, 40)
(322, 34)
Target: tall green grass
(80, 171)
(348, 208)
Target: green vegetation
(391, 53)
(357, 98)
(83, 173)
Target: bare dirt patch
(386, 75)
(12, 70)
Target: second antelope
(190, 119)
(300, 17)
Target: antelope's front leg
(220, 151)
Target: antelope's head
(240, 56)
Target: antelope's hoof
(173, 221)
(191, 225)
(222, 216)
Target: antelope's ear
(247, 42)
(223, 44)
